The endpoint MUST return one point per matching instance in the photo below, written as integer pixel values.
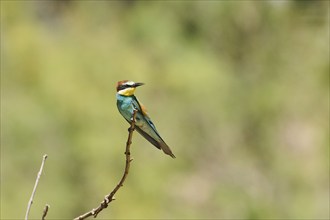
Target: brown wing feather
(143, 109)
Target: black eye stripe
(124, 86)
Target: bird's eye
(124, 86)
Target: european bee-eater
(127, 102)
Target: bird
(127, 103)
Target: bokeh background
(238, 89)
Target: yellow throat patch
(127, 92)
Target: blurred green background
(238, 90)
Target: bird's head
(127, 88)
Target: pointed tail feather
(166, 149)
(159, 144)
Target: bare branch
(109, 198)
(35, 187)
(45, 212)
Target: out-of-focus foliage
(238, 89)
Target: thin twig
(45, 212)
(35, 187)
(109, 198)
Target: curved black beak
(138, 84)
